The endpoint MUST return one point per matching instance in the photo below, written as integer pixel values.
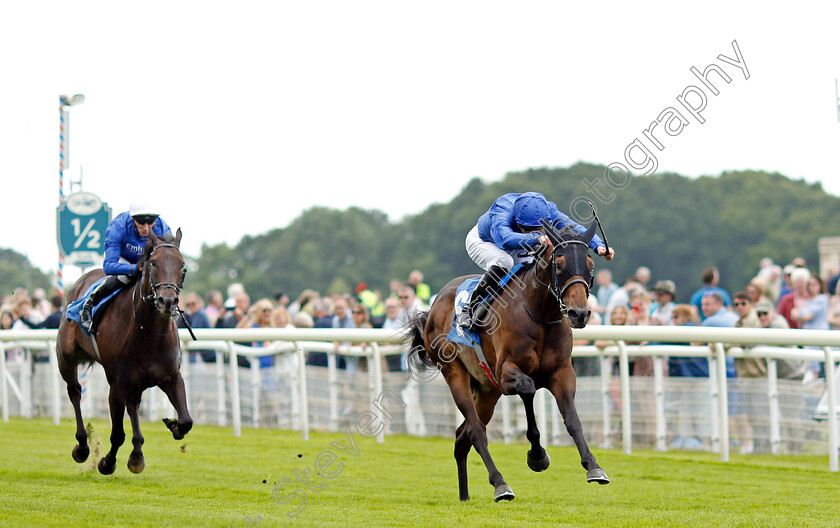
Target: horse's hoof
(81, 453)
(597, 475)
(136, 465)
(105, 468)
(178, 430)
(503, 492)
(538, 464)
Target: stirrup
(86, 322)
(464, 319)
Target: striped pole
(61, 167)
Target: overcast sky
(236, 117)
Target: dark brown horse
(138, 347)
(528, 345)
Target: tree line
(675, 225)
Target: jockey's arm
(508, 239)
(113, 242)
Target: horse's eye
(152, 263)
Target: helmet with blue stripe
(529, 208)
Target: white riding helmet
(142, 209)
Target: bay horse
(528, 345)
(138, 347)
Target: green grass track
(213, 479)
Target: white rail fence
(292, 394)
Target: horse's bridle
(147, 276)
(569, 276)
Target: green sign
(82, 219)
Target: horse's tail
(413, 337)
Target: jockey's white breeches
(486, 254)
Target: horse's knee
(525, 386)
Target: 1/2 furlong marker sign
(82, 219)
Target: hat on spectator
(789, 269)
(230, 304)
(763, 305)
(666, 286)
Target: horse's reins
(152, 297)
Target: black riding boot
(473, 313)
(107, 287)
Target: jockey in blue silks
(499, 240)
(125, 241)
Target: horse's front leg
(116, 401)
(175, 391)
(136, 462)
(562, 386)
(514, 381)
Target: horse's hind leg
(175, 391)
(516, 381)
(116, 401)
(562, 386)
(472, 432)
(462, 449)
(136, 463)
(68, 370)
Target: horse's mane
(167, 238)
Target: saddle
(460, 335)
(75, 308)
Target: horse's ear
(177, 241)
(153, 238)
(590, 232)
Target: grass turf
(213, 479)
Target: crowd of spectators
(363, 308)
(789, 297)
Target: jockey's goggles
(145, 219)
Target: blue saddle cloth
(75, 308)
(458, 334)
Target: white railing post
(723, 399)
(26, 383)
(606, 421)
(714, 404)
(831, 392)
(4, 388)
(376, 368)
(556, 419)
(542, 421)
(256, 381)
(221, 411)
(659, 395)
(54, 382)
(332, 380)
(304, 397)
(294, 390)
(624, 379)
(236, 404)
(186, 373)
(507, 429)
(773, 402)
